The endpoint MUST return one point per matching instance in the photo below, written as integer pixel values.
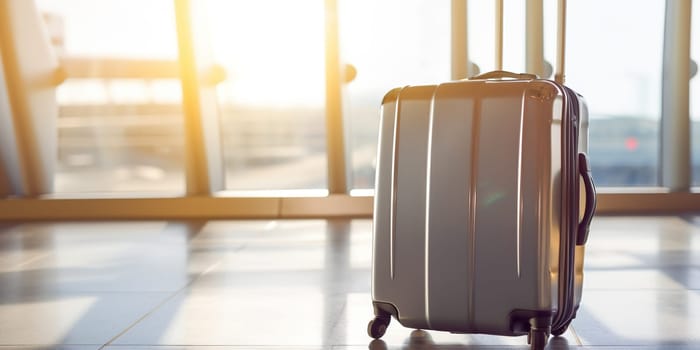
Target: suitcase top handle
(500, 74)
(561, 40)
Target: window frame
(204, 199)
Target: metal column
(203, 162)
(534, 37)
(31, 74)
(459, 61)
(499, 35)
(674, 167)
(337, 176)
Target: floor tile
(71, 319)
(121, 257)
(17, 247)
(641, 253)
(293, 318)
(52, 347)
(310, 258)
(286, 317)
(639, 317)
(215, 347)
(676, 278)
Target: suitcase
(483, 201)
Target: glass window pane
(482, 35)
(695, 96)
(273, 100)
(391, 43)
(614, 61)
(118, 130)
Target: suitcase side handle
(500, 74)
(584, 168)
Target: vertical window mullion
(675, 109)
(534, 38)
(335, 145)
(459, 52)
(10, 176)
(203, 161)
(30, 70)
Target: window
(616, 65)
(482, 35)
(272, 103)
(120, 124)
(390, 43)
(122, 127)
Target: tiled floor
(304, 285)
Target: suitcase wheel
(537, 339)
(377, 327)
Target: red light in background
(631, 144)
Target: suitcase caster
(537, 339)
(377, 327)
(539, 332)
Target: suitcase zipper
(569, 210)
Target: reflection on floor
(304, 285)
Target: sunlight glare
(272, 50)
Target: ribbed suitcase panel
(498, 286)
(410, 182)
(487, 230)
(448, 231)
(383, 288)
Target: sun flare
(273, 50)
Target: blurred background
(123, 132)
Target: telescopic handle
(561, 42)
(561, 39)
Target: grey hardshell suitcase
(483, 201)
